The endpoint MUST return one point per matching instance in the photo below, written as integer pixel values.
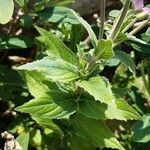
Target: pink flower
(139, 5)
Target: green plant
(68, 89)
(72, 101)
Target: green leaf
(126, 60)
(56, 48)
(141, 130)
(148, 31)
(47, 123)
(54, 106)
(94, 130)
(114, 13)
(10, 83)
(60, 2)
(38, 85)
(104, 49)
(57, 14)
(21, 3)
(75, 38)
(139, 44)
(123, 1)
(128, 112)
(99, 89)
(23, 140)
(54, 69)
(6, 10)
(121, 37)
(79, 143)
(96, 110)
(88, 28)
(15, 42)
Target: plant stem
(129, 25)
(141, 26)
(102, 18)
(117, 25)
(90, 64)
(25, 7)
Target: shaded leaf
(96, 110)
(141, 130)
(57, 14)
(139, 44)
(95, 131)
(126, 60)
(48, 123)
(38, 85)
(15, 42)
(88, 28)
(79, 143)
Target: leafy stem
(118, 23)
(90, 64)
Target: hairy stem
(129, 25)
(117, 25)
(102, 18)
(141, 26)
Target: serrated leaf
(96, 110)
(141, 130)
(126, 60)
(6, 10)
(23, 140)
(54, 106)
(38, 85)
(88, 28)
(56, 48)
(128, 112)
(94, 130)
(54, 69)
(99, 89)
(104, 49)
